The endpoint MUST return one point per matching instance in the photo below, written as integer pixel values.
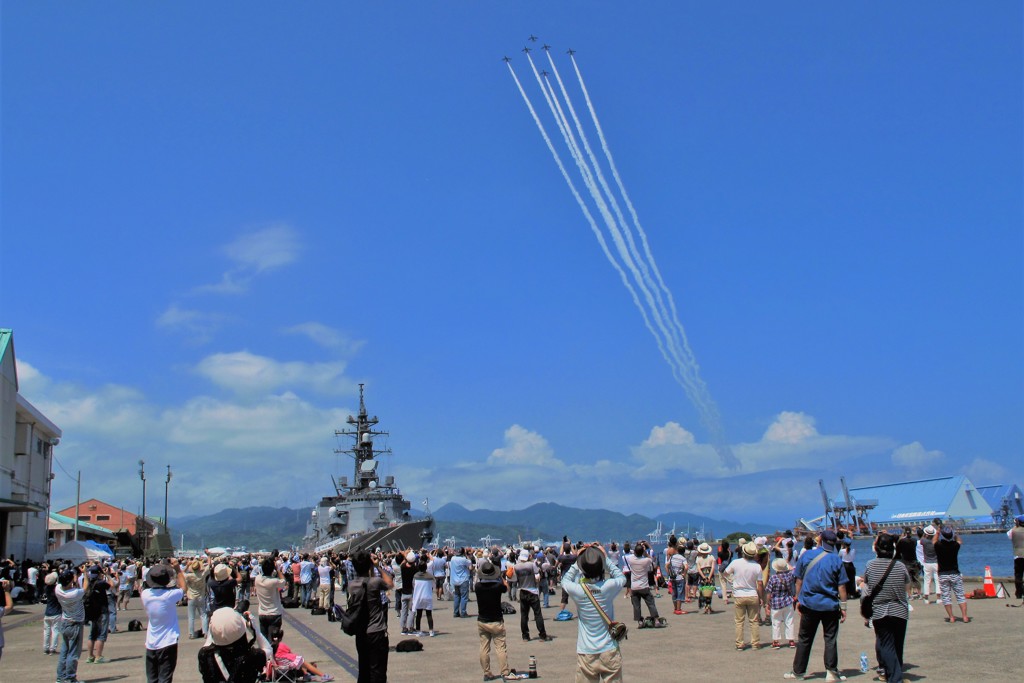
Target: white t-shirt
(162, 610)
(268, 594)
(745, 575)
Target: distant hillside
(267, 527)
(551, 521)
(254, 527)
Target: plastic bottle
(533, 667)
(864, 662)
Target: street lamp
(142, 476)
(167, 486)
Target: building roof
(916, 501)
(58, 521)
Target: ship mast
(362, 452)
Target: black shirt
(946, 552)
(488, 601)
(907, 549)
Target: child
(781, 591)
(286, 660)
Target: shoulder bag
(867, 603)
(616, 629)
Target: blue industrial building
(913, 503)
(1006, 501)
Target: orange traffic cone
(990, 587)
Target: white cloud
(791, 428)
(247, 373)
(917, 461)
(223, 453)
(522, 447)
(790, 442)
(983, 472)
(325, 336)
(197, 326)
(672, 433)
(255, 253)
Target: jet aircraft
(533, 38)
(506, 59)
(570, 52)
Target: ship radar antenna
(362, 405)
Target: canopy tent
(78, 552)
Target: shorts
(678, 589)
(438, 582)
(952, 583)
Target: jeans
(809, 620)
(195, 607)
(645, 594)
(111, 617)
(746, 609)
(493, 633)
(51, 636)
(405, 617)
(160, 664)
(372, 649)
(530, 601)
(70, 651)
(460, 598)
(545, 592)
(307, 591)
(890, 632)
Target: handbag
(616, 629)
(867, 603)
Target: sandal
(967, 620)
(949, 620)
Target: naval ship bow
(366, 513)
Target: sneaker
(101, 660)
(326, 677)
(526, 638)
(516, 676)
(545, 638)
(792, 644)
(91, 660)
(432, 634)
(833, 676)
(775, 645)
(678, 611)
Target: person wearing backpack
(96, 613)
(372, 634)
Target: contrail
(660, 318)
(586, 212)
(706, 404)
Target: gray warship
(366, 513)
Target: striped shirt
(891, 600)
(72, 603)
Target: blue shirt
(820, 588)
(460, 567)
(593, 636)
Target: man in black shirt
(490, 621)
(906, 550)
(372, 644)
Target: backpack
(239, 663)
(507, 608)
(357, 617)
(334, 613)
(95, 601)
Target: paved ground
(694, 647)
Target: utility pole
(138, 532)
(78, 500)
(167, 486)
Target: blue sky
(218, 219)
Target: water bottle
(864, 662)
(533, 666)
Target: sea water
(977, 551)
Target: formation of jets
(545, 47)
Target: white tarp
(77, 552)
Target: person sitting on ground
(287, 660)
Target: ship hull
(396, 538)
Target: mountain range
(259, 528)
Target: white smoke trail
(650, 288)
(583, 206)
(706, 405)
(662, 337)
(670, 335)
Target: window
(970, 499)
(102, 518)
(84, 518)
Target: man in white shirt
(748, 593)
(162, 633)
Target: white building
(27, 439)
